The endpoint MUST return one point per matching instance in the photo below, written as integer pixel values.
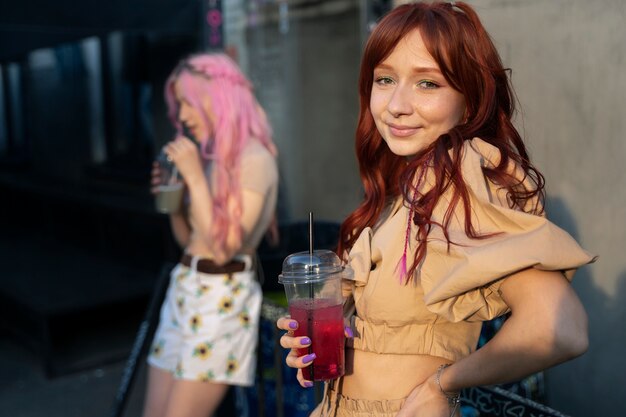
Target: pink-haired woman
(451, 231)
(207, 333)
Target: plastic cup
(313, 288)
(169, 197)
(170, 192)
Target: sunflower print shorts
(208, 327)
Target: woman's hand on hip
(426, 400)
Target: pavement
(26, 391)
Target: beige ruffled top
(440, 312)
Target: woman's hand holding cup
(155, 178)
(289, 341)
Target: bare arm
(185, 155)
(178, 221)
(180, 228)
(547, 326)
(252, 207)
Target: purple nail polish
(308, 384)
(293, 325)
(309, 358)
(305, 341)
(349, 331)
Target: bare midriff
(197, 247)
(374, 376)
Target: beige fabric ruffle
(462, 284)
(439, 312)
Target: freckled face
(190, 116)
(411, 102)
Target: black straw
(311, 234)
(311, 292)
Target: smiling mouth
(402, 131)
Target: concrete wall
(568, 60)
(306, 78)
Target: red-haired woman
(451, 231)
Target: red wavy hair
(467, 58)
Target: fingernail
(349, 331)
(309, 358)
(308, 384)
(293, 325)
(305, 341)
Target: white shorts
(208, 327)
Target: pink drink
(322, 321)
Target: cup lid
(304, 267)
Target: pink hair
(239, 119)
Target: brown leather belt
(208, 266)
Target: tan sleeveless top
(440, 312)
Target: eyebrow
(416, 70)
